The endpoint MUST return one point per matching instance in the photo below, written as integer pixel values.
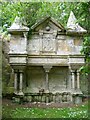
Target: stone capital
(72, 71)
(78, 71)
(47, 68)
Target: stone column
(69, 81)
(21, 83)
(78, 80)
(47, 83)
(73, 79)
(15, 83)
(47, 69)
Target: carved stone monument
(46, 65)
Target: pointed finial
(72, 24)
(72, 20)
(17, 26)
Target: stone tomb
(46, 63)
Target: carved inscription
(48, 44)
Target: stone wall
(58, 79)
(35, 79)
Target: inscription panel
(48, 43)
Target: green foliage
(86, 48)
(32, 11)
(83, 14)
(29, 12)
(69, 112)
(86, 52)
(9, 10)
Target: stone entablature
(50, 45)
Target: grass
(23, 112)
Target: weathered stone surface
(17, 60)
(18, 44)
(48, 43)
(76, 60)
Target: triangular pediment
(47, 24)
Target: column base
(21, 93)
(15, 92)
